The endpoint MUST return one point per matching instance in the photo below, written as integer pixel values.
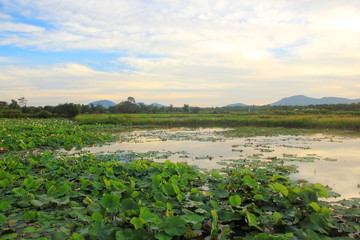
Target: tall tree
(3, 104)
(22, 101)
(67, 110)
(186, 108)
(14, 104)
(131, 100)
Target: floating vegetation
(204, 157)
(125, 194)
(237, 150)
(59, 196)
(24, 134)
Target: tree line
(18, 108)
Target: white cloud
(222, 46)
(5, 16)
(19, 27)
(6, 60)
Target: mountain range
(236, 105)
(104, 103)
(301, 100)
(107, 104)
(298, 100)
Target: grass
(233, 120)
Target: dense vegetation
(54, 195)
(97, 197)
(18, 109)
(232, 119)
(22, 134)
(45, 194)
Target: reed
(232, 120)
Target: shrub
(11, 113)
(44, 114)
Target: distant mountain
(301, 100)
(158, 105)
(104, 103)
(236, 105)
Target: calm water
(336, 160)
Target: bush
(44, 114)
(11, 113)
(68, 110)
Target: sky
(202, 53)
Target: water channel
(327, 159)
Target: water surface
(329, 160)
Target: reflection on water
(332, 161)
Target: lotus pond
(327, 158)
(244, 183)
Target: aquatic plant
(23, 134)
(88, 196)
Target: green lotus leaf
(161, 236)
(235, 200)
(168, 189)
(77, 236)
(277, 217)
(191, 217)
(110, 201)
(308, 195)
(175, 226)
(352, 212)
(156, 180)
(2, 219)
(278, 187)
(58, 236)
(99, 231)
(61, 191)
(249, 181)
(61, 201)
(19, 192)
(159, 196)
(97, 216)
(5, 206)
(29, 216)
(315, 206)
(6, 236)
(138, 222)
(252, 220)
(128, 204)
(149, 217)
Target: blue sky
(202, 53)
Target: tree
(100, 109)
(14, 104)
(186, 108)
(86, 109)
(69, 110)
(22, 101)
(3, 104)
(50, 109)
(195, 110)
(131, 100)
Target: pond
(331, 160)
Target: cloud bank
(206, 53)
